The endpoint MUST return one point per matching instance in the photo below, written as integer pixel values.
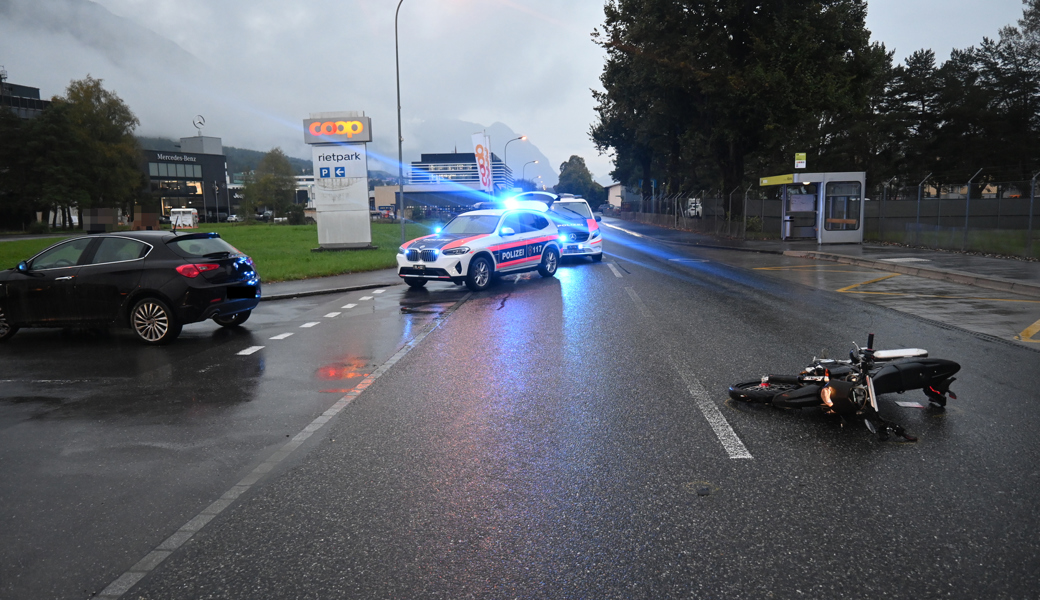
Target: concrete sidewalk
(1002, 274)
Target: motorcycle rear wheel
(757, 392)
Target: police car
(580, 234)
(479, 245)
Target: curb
(338, 290)
(999, 284)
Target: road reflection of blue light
(712, 272)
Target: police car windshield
(572, 209)
(471, 224)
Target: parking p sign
(340, 161)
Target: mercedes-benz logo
(574, 237)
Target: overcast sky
(256, 68)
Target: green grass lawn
(280, 252)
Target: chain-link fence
(996, 217)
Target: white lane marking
(152, 560)
(378, 291)
(730, 442)
(365, 298)
(904, 260)
(281, 336)
(348, 306)
(734, 447)
(250, 350)
(625, 230)
(687, 260)
(332, 315)
(311, 324)
(909, 404)
(614, 269)
(635, 298)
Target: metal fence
(996, 217)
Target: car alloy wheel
(6, 329)
(550, 262)
(479, 277)
(153, 322)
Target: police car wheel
(479, 277)
(550, 262)
(597, 257)
(415, 282)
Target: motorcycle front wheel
(758, 392)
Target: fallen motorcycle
(849, 388)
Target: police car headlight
(456, 251)
(595, 234)
(563, 237)
(400, 250)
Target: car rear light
(193, 271)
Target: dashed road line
(250, 350)
(363, 298)
(332, 315)
(153, 559)
(614, 269)
(378, 291)
(730, 442)
(281, 336)
(639, 302)
(309, 325)
(348, 306)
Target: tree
(271, 185)
(693, 89)
(576, 179)
(108, 155)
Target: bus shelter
(827, 207)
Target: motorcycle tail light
(192, 271)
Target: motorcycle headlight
(456, 251)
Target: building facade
(22, 99)
(457, 168)
(195, 178)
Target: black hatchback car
(152, 281)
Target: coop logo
(348, 128)
(319, 131)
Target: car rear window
(202, 247)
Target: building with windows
(22, 99)
(195, 177)
(458, 168)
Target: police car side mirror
(23, 267)
(598, 218)
(506, 231)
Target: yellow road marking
(846, 289)
(1028, 333)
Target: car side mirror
(506, 231)
(23, 267)
(598, 218)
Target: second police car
(476, 246)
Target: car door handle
(64, 278)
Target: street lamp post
(400, 139)
(524, 170)
(505, 152)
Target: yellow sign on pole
(776, 180)
(799, 160)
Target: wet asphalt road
(549, 438)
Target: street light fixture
(400, 139)
(524, 171)
(505, 152)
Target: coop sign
(350, 129)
